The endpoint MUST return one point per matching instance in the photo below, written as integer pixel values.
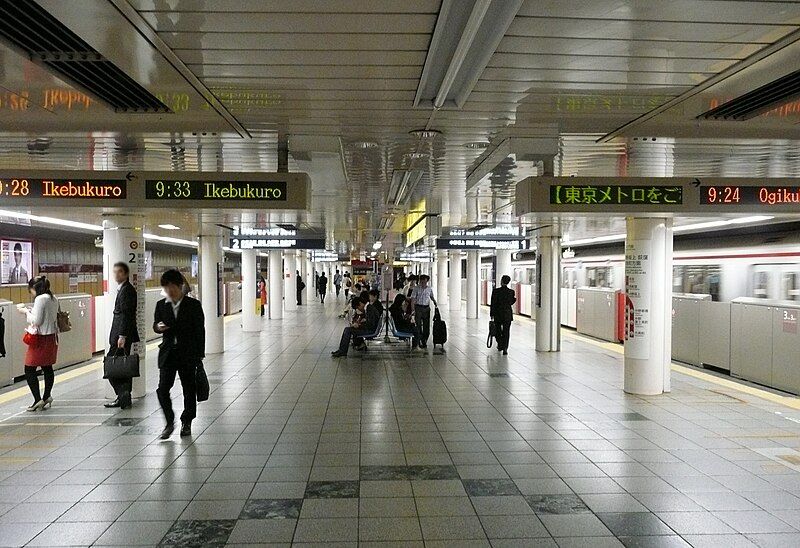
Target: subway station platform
(468, 448)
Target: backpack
(62, 321)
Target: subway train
(762, 263)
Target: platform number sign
(137, 278)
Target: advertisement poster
(637, 299)
(148, 264)
(17, 257)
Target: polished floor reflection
(469, 448)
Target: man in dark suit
(502, 299)
(179, 318)
(123, 331)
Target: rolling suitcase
(439, 330)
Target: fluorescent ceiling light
(169, 227)
(169, 240)
(466, 36)
(51, 220)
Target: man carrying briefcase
(123, 335)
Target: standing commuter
(42, 340)
(262, 293)
(180, 321)
(422, 297)
(123, 331)
(502, 314)
(301, 285)
(322, 286)
(348, 283)
(337, 283)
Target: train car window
(714, 282)
(790, 286)
(760, 284)
(677, 279)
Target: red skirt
(43, 351)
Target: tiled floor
(464, 449)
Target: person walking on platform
(422, 297)
(501, 312)
(180, 321)
(322, 286)
(337, 282)
(41, 336)
(123, 331)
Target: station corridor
(469, 448)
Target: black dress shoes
(186, 429)
(112, 404)
(167, 432)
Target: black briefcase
(492, 333)
(202, 387)
(120, 365)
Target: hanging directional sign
(656, 195)
(145, 190)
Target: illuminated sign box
(278, 243)
(600, 194)
(176, 189)
(91, 189)
(477, 243)
(749, 195)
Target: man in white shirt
(421, 298)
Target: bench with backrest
(402, 335)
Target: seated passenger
(351, 301)
(365, 322)
(375, 300)
(398, 311)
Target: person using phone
(180, 321)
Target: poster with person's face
(17, 261)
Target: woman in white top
(41, 336)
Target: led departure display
(749, 195)
(250, 191)
(591, 195)
(95, 189)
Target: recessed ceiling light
(169, 227)
(425, 133)
(365, 144)
(476, 144)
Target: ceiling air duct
(760, 100)
(30, 28)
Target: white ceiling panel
(401, 40)
(294, 58)
(605, 62)
(696, 48)
(315, 72)
(283, 22)
(716, 11)
(647, 30)
(295, 6)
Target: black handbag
(492, 334)
(120, 366)
(202, 388)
